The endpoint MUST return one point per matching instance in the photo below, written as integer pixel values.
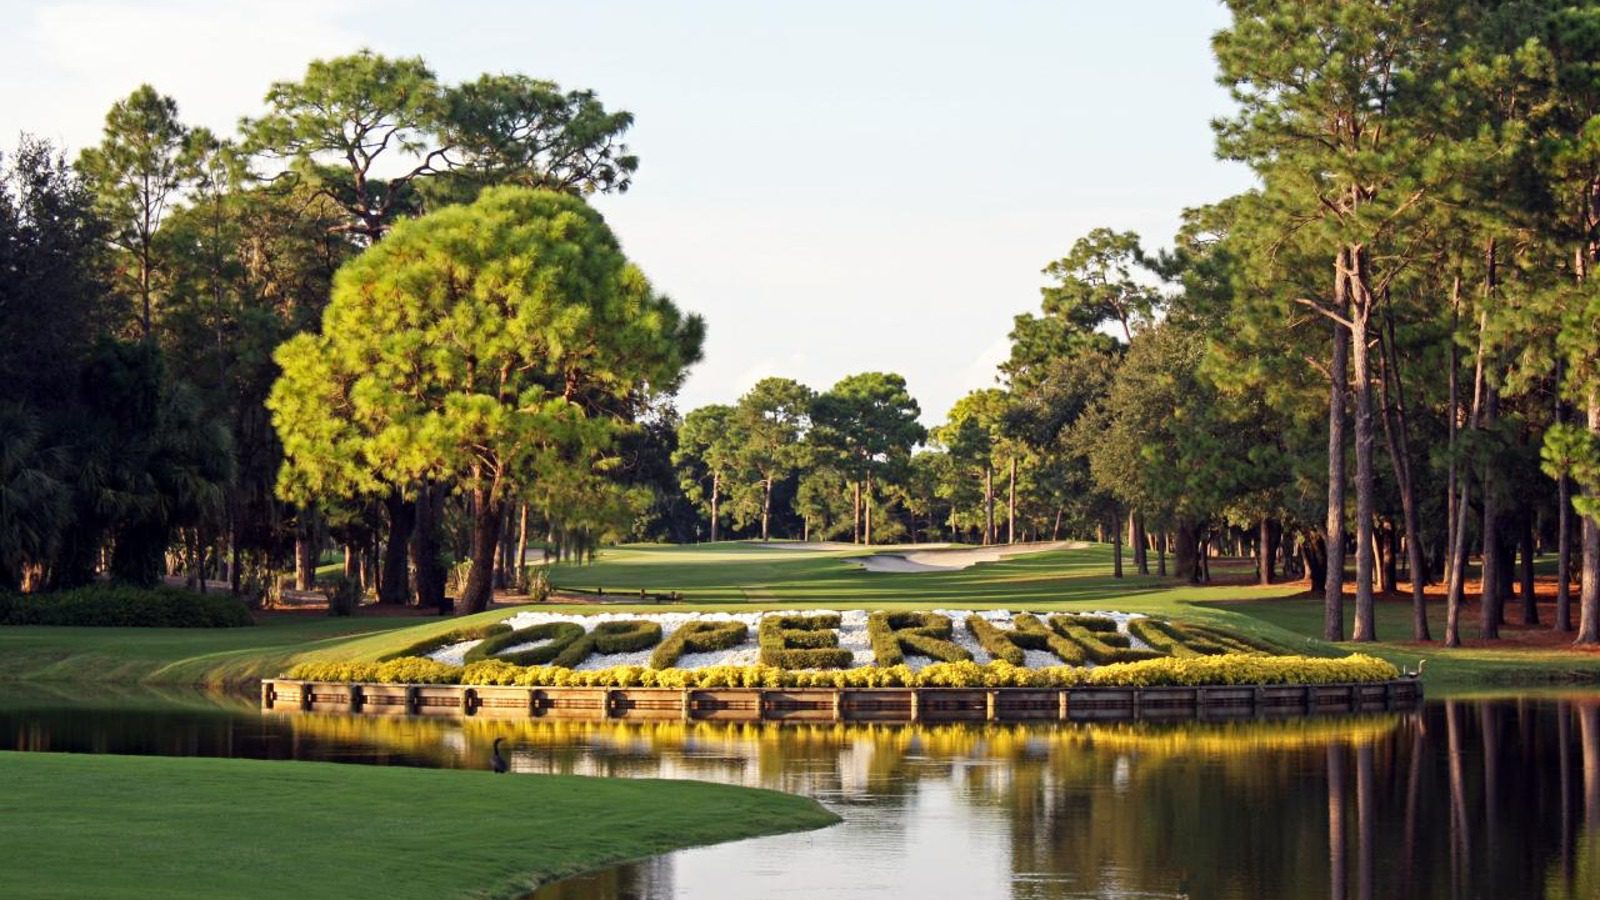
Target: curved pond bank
(1491, 798)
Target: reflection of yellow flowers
(989, 741)
(1228, 669)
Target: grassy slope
(132, 826)
(740, 576)
(210, 656)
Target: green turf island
(136, 826)
(752, 576)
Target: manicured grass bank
(132, 826)
(187, 656)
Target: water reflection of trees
(1462, 799)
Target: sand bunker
(953, 560)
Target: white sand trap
(954, 560)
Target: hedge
(802, 642)
(1027, 633)
(894, 634)
(558, 636)
(1097, 651)
(699, 636)
(427, 646)
(1163, 672)
(124, 606)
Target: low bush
(1096, 650)
(894, 634)
(555, 637)
(124, 606)
(700, 636)
(1159, 636)
(1026, 633)
(1160, 672)
(1091, 622)
(427, 646)
(404, 670)
(626, 636)
(995, 641)
(1033, 634)
(802, 642)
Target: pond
(1481, 798)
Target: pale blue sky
(835, 186)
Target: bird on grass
(496, 761)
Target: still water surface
(1494, 798)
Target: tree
(973, 432)
(1095, 284)
(771, 421)
(512, 129)
(482, 346)
(706, 456)
(137, 174)
(1329, 95)
(868, 423)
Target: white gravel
(852, 636)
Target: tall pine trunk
(1138, 538)
(1490, 607)
(430, 575)
(521, 562)
(1563, 622)
(716, 499)
(1589, 595)
(866, 510)
(1333, 581)
(1530, 603)
(393, 587)
(487, 514)
(1396, 436)
(1458, 541)
(1116, 547)
(988, 504)
(1011, 505)
(1360, 310)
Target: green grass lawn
(750, 576)
(191, 656)
(135, 826)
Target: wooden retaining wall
(926, 704)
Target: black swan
(496, 761)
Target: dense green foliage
(802, 642)
(895, 634)
(480, 632)
(553, 639)
(114, 605)
(700, 636)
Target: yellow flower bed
(1237, 668)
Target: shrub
(427, 646)
(700, 636)
(404, 670)
(610, 637)
(1159, 635)
(1092, 623)
(535, 582)
(1096, 650)
(1161, 672)
(802, 642)
(919, 633)
(124, 606)
(559, 635)
(995, 640)
(344, 595)
(1033, 634)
